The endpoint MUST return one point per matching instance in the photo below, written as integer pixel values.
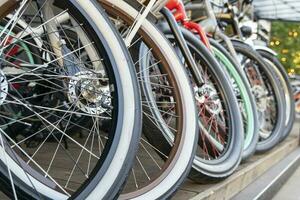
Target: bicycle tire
(279, 70)
(251, 128)
(179, 162)
(221, 167)
(111, 171)
(249, 53)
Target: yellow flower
(295, 34)
(283, 59)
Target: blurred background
(285, 40)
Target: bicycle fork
(183, 46)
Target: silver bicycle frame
(154, 6)
(51, 26)
(210, 25)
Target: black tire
(205, 170)
(249, 53)
(250, 149)
(288, 91)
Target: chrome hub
(89, 93)
(261, 98)
(208, 96)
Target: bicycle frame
(52, 23)
(210, 25)
(152, 6)
(7, 6)
(234, 19)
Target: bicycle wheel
(220, 141)
(268, 94)
(245, 98)
(49, 85)
(280, 72)
(168, 109)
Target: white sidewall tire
(190, 134)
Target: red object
(297, 96)
(181, 16)
(12, 50)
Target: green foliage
(285, 41)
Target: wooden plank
(245, 174)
